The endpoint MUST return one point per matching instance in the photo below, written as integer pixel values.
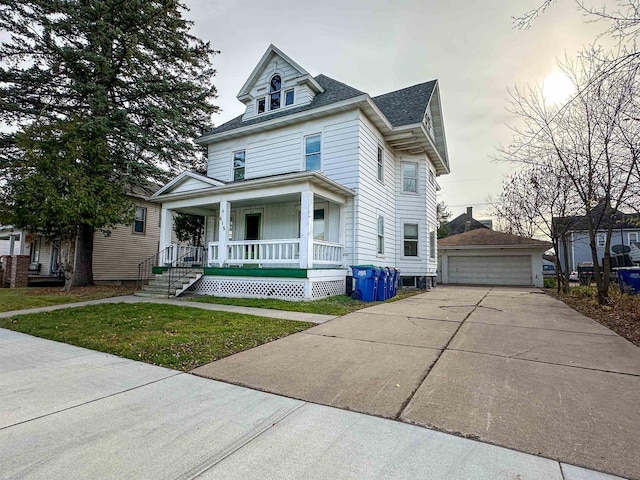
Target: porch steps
(157, 286)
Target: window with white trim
(312, 159)
(238, 165)
(380, 235)
(275, 86)
(288, 97)
(380, 164)
(633, 237)
(410, 239)
(432, 178)
(261, 105)
(410, 177)
(140, 220)
(601, 240)
(432, 244)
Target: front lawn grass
(23, 298)
(171, 336)
(337, 305)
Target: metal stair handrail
(184, 265)
(145, 268)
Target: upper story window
(432, 178)
(274, 92)
(633, 237)
(410, 177)
(312, 152)
(288, 97)
(380, 164)
(140, 221)
(601, 240)
(261, 105)
(238, 165)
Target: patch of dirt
(622, 314)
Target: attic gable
(277, 83)
(187, 181)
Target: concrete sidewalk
(67, 412)
(508, 366)
(262, 312)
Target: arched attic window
(274, 92)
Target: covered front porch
(278, 226)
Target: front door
(252, 226)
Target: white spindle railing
(181, 254)
(263, 251)
(212, 253)
(327, 253)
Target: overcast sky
(381, 46)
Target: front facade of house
(313, 177)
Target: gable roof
(334, 92)
(602, 216)
(484, 237)
(196, 181)
(459, 224)
(271, 50)
(406, 106)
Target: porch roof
(254, 186)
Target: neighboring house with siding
(115, 256)
(625, 230)
(313, 177)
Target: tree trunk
(83, 271)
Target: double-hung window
(633, 237)
(410, 177)
(288, 97)
(410, 240)
(380, 235)
(140, 220)
(238, 165)
(432, 244)
(312, 152)
(601, 240)
(380, 164)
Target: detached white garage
(486, 257)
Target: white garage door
(498, 270)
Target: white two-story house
(315, 176)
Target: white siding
(375, 198)
(188, 185)
(288, 75)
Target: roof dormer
(277, 83)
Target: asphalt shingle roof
(402, 107)
(405, 106)
(334, 92)
(486, 238)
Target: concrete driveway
(507, 366)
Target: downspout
(355, 224)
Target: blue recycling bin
(395, 276)
(383, 285)
(629, 280)
(366, 282)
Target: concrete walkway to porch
(262, 312)
(507, 366)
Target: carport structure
(487, 257)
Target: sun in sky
(557, 88)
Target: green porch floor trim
(159, 270)
(257, 272)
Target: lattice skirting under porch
(282, 288)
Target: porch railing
(285, 251)
(327, 253)
(174, 254)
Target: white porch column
(342, 237)
(21, 243)
(166, 227)
(306, 229)
(224, 219)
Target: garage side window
(410, 240)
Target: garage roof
(485, 237)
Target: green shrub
(549, 283)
